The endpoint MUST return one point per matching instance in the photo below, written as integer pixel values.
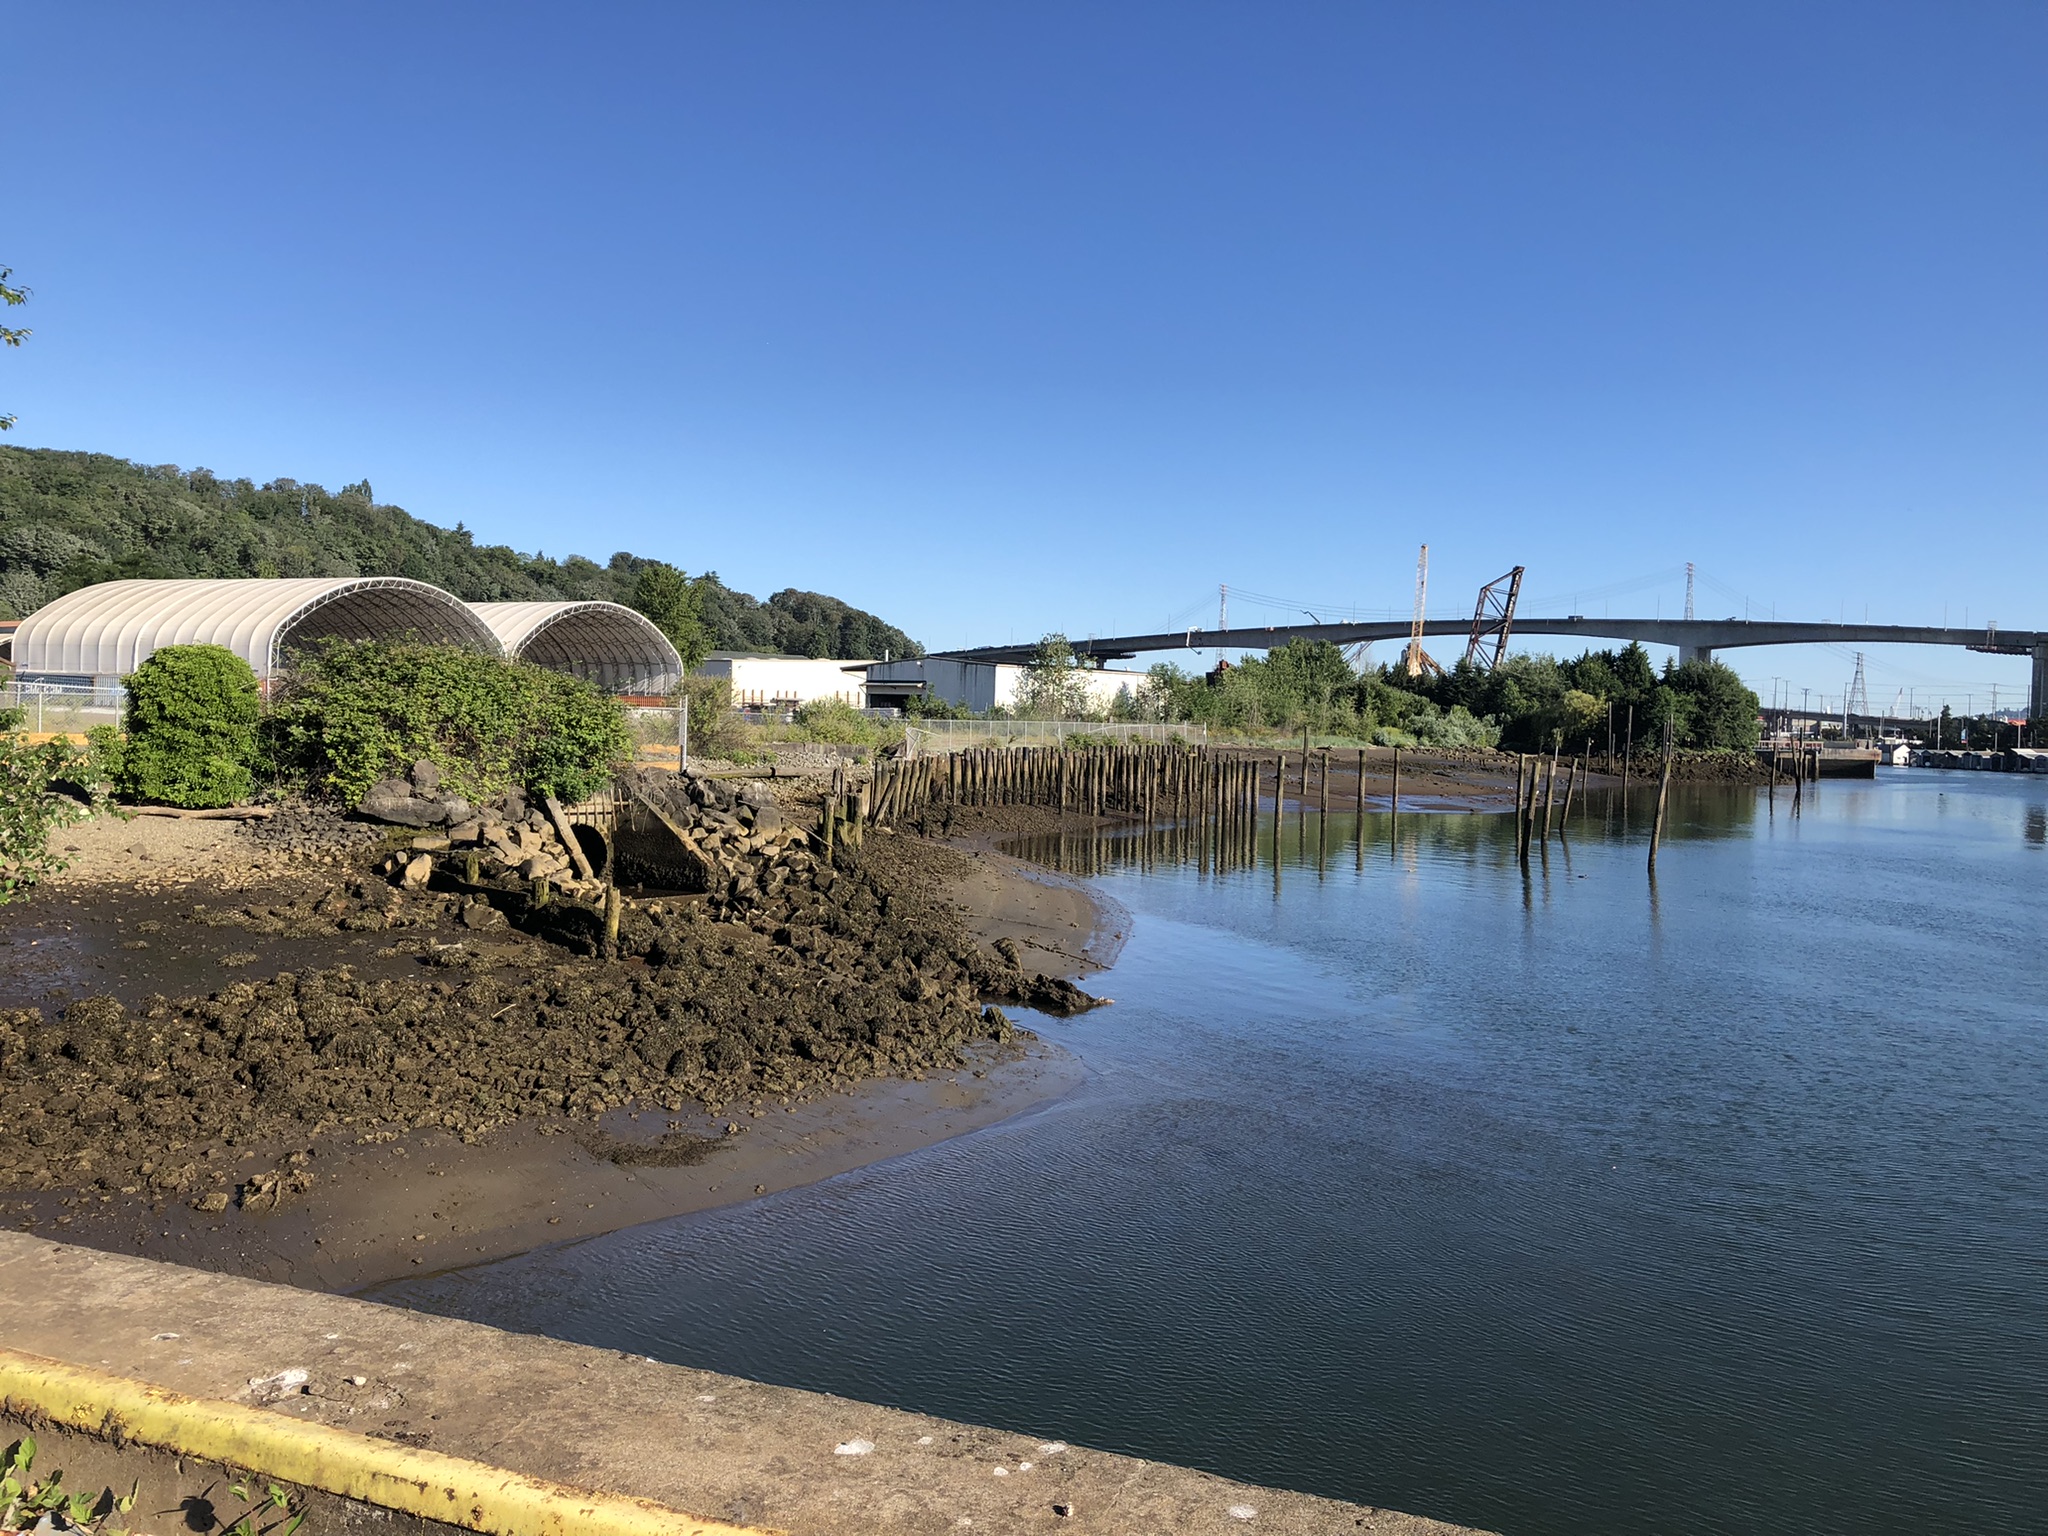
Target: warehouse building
(612, 646)
(94, 637)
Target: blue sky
(1002, 318)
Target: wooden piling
(1529, 811)
(1657, 821)
(1549, 793)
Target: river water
(1552, 1202)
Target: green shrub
(106, 754)
(1458, 727)
(837, 722)
(191, 723)
(716, 729)
(354, 713)
(32, 806)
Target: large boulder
(392, 800)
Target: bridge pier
(1695, 653)
(2037, 698)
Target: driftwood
(225, 813)
(576, 854)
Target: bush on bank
(191, 723)
(43, 786)
(350, 714)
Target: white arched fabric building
(604, 643)
(98, 635)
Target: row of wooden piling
(844, 818)
(1535, 773)
(1802, 766)
(1215, 794)
(1150, 780)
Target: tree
(68, 520)
(1052, 687)
(669, 600)
(1722, 713)
(11, 296)
(1303, 680)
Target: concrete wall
(330, 1383)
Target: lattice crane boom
(1416, 660)
(1493, 618)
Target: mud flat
(322, 1078)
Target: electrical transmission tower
(1858, 702)
(1493, 618)
(1688, 589)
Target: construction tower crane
(1416, 660)
(1493, 618)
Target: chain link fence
(51, 709)
(956, 735)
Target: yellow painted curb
(426, 1483)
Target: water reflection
(1535, 1197)
(1318, 841)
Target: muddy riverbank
(322, 1077)
(243, 1048)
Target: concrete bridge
(1695, 639)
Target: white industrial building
(980, 686)
(788, 682)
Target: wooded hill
(68, 520)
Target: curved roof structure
(603, 643)
(108, 630)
